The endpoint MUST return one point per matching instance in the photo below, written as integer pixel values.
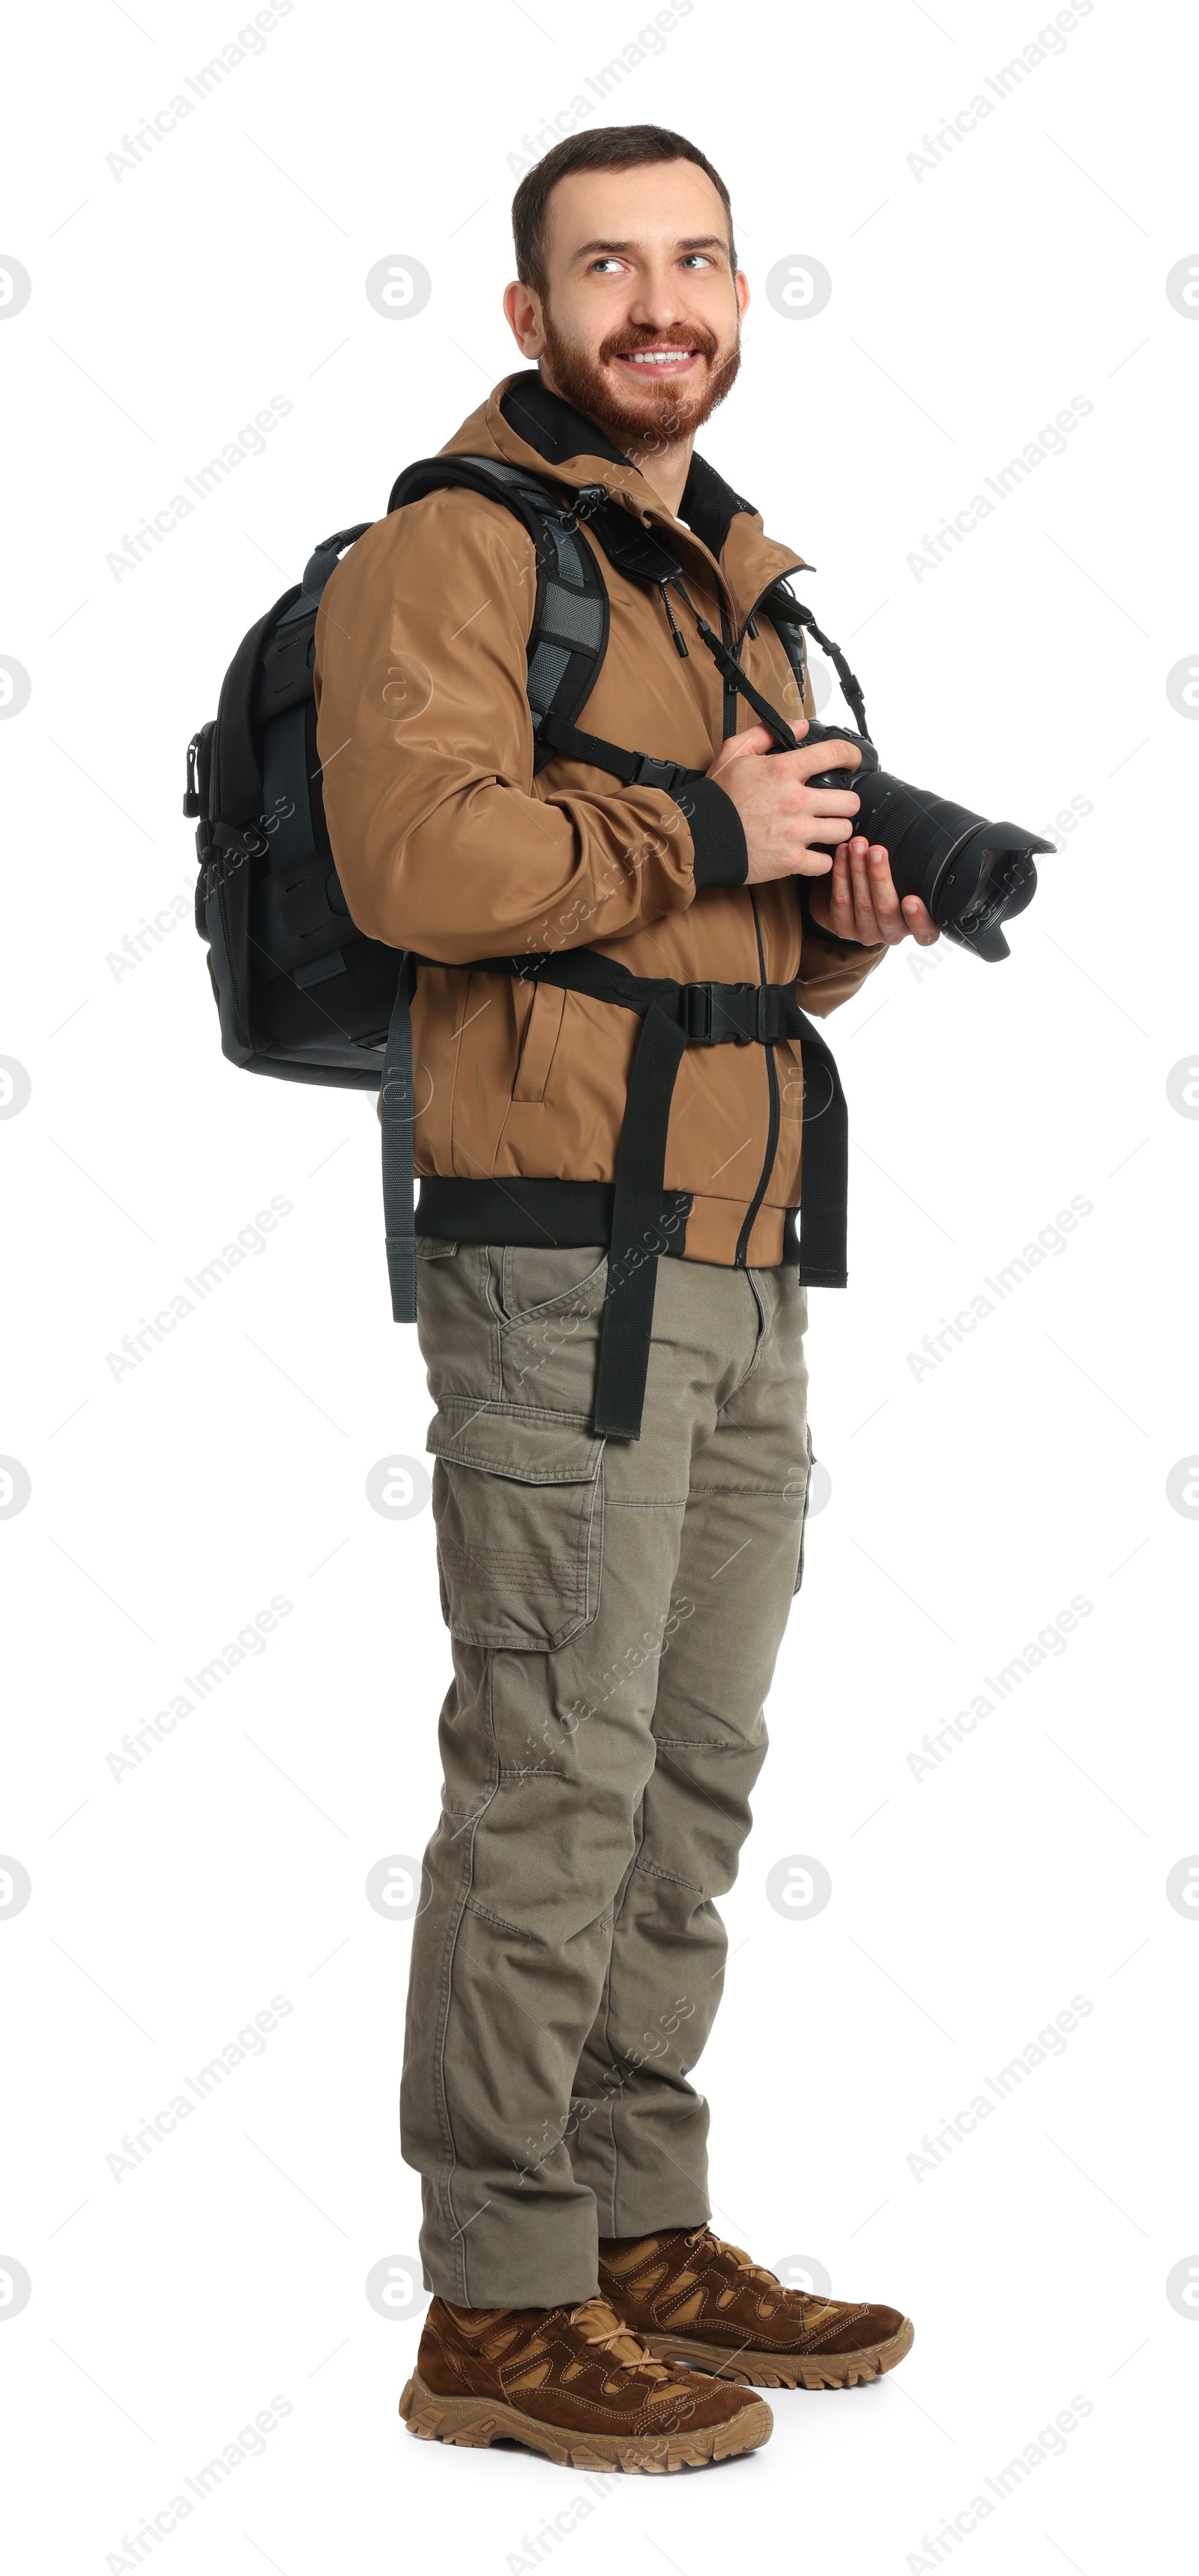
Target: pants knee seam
(451, 1951)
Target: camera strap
(786, 614)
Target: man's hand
(859, 901)
(782, 816)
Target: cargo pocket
(807, 1496)
(518, 1508)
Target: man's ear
(522, 305)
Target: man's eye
(697, 259)
(605, 263)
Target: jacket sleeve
(441, 841)
(831, 970)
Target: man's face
(640, 325)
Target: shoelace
(602, 2328)
(704, 2241)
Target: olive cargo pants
(615, 1611)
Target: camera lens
(970, 874)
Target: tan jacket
(447, 844)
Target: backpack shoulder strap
(569, 634)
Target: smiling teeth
(654, 357)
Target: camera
(972, 875)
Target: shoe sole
(784, 2370)
(476, 2422)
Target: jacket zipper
(772, 1080)
(730, 700)
(773, 1122)
(765, 594)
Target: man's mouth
(670, 359)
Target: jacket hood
(526, 424)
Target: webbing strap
(825, 1164)
(851, 686)
(786, 614)
(674, 1016)
(321, 563)
(637, 1237)
(736, 678)
(397, 1110)
(745, 1015)
(633, 768)
(285, 800)
(568, 636)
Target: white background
(968, 1506)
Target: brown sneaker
(693, 2299)
(574, 2384)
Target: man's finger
(739, 745)
(810, 758)
(919, 921)
(895, 920)
(883, 895)
(867, 926)
(828, 800)
(838, 905)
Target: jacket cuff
(720, 855)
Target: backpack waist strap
(673, 1017)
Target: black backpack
(306, 996)
(301, 993)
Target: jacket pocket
(807, 1495)
(518, 1508)
(541, 1032)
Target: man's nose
(655, 305)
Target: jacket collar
(526, 424)
(554, 428)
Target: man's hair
(610, 147)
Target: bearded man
(621, 1443)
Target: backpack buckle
(588, 499)
(653, 773)
(697, 1013)
(769, 1028)
(672, 776)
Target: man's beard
(643, 427)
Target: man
(615, 1599)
